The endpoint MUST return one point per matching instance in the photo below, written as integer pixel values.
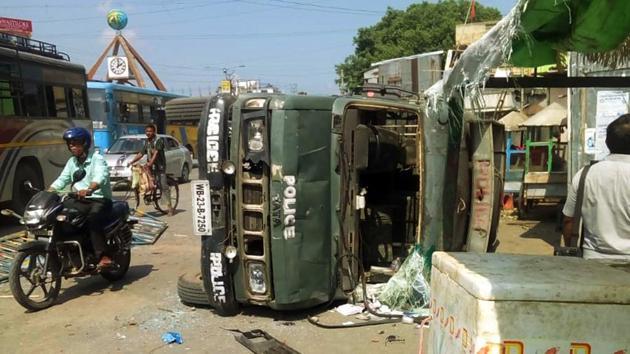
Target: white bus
(41, 95)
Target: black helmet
(78, 133)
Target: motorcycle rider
(94, 190)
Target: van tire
(190, 290)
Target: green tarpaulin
(552, 26)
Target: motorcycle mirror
(78, 175)
(28, 185)
(9, 212)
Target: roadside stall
(545, 173)
(517, 304)
(514, 152)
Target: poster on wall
(590, 135)
(610, 105)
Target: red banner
(15, 25)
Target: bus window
(97, 105)
(8, 68)
(8, 100)
(33, 100)
(146, 113)
(134, 116)
(77, 102)
(56, 99)
(129, 113)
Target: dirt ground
(130, 316)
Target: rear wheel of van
(215, 271)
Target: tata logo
(289, 202)
(213, 133)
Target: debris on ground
(8, 250)
(349, 309)
(408, 290)
(261, 342)
(172, 337)
(392, 338)
(372, 290)
(147, 229)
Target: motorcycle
(62, 247)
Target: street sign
(226, 86)
(16, 26)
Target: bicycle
(151, 196)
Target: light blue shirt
(95, 171)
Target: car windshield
(126, 146)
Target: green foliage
(423, 27)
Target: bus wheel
(26, 171)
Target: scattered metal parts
(393, 338)
(146, 229)
(8, 250)
(261, 342)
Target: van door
(379, 151)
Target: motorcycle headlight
(257, 281)
(33, 217)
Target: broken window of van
(255, 137)
(408, 289)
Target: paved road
(131, 315)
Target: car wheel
(185, 177)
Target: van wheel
(185, 177)
(26, 171)
(190, 290)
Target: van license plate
(202, 223)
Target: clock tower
(124, 67)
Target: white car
(178, 158)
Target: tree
(422, 28)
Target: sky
(292, 44)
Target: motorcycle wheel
(27, 287)
(122, 260)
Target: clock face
(118, 66)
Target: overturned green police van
(297, 194)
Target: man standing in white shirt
(606, 201)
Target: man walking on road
(156, 161)
(606, 200)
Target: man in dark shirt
(156, 161)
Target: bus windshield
(126, 146)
